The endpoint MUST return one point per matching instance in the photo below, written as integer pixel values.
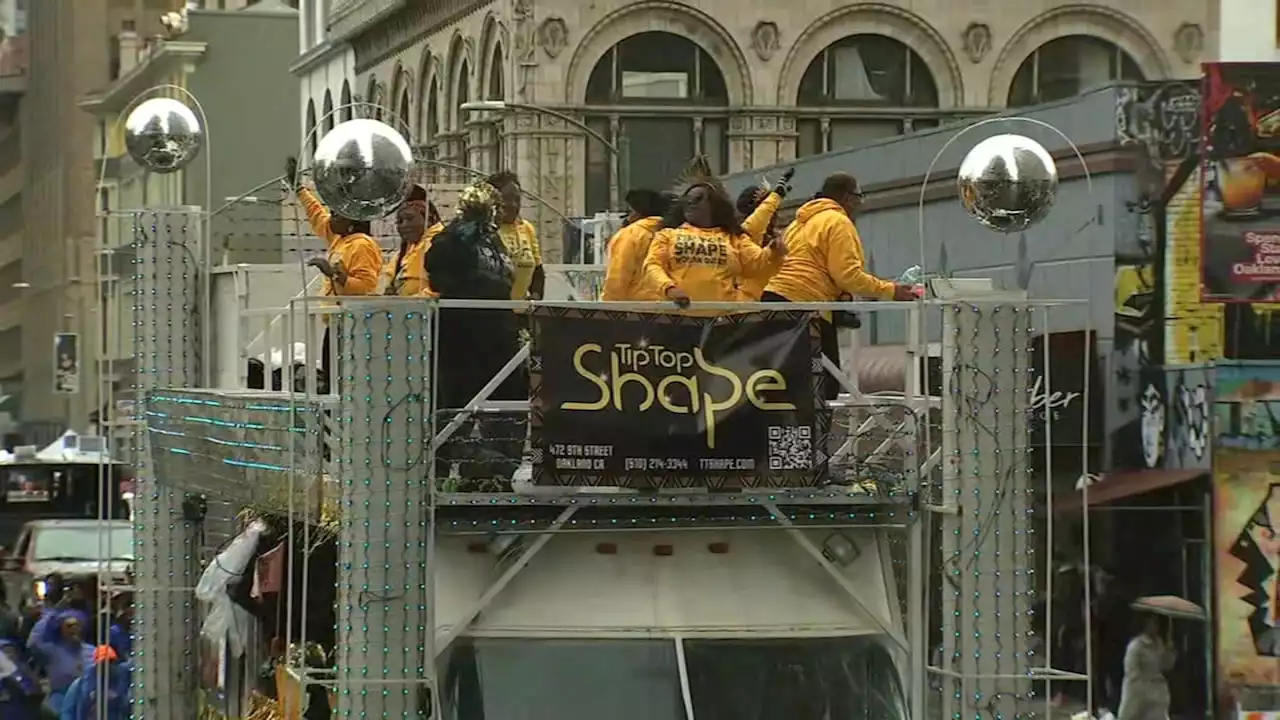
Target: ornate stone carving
(977, 41)
(1188, 42)
(526, 33)
(553, 36)
(765, 39)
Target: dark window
(562, 680)
(851, 678)
(851, 84)
(496, 68)
(328, 115)
(654, 69)
(868, 70)
(346, 101)
(1067, 66)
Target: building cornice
(317, 56)
(402, 29)
(350, 18)
(167, 57)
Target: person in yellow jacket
(353, 259)
(624, 276)
(759, 212)
(417, 221)
(824, 260)
(519, 237)
(703, 253)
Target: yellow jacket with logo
(357, 253)
(412, 276)
(624, 277)
(521, 241)
(824, 258)
(706, 263)
(757, 224)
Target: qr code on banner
(790, 447)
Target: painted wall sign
(1247, 406)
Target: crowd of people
(689, 246)
(66, 659)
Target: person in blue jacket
(57, 641)
(20, 694)
(102, 692)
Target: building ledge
(316, 56)
(165, 58)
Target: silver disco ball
(361, 169)
(1008, 182)
(163, 135)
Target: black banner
(670, 401)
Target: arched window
(430, 127)
(462, 95)
(328, 116)
(650, 70)
(403, 112)
(497, 66)
(846, 90)
(346, 101)
(311, 126)
(1067, 66)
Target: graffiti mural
(1247, 558)
(1187, 431)
(1247, 406)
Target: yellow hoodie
(412, 276)
(824, 258)
(521, 240)
(357, 253)
(706, 263)
(624, 278)
(757, 224)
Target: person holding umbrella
(1145, 692)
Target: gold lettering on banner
(677, 390)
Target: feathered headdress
(698, 173)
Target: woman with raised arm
(703, 253)
(352, 258)
(758, 208)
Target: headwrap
(417, 200)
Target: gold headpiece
(478, 198)
(698, 173)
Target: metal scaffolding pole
(167, 328)
(384, 586)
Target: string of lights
(165, 339)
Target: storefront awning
(1128, 483)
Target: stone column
(757, 140)
(166, 327)
(987, 574)
(548, 158)
(385, 638)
